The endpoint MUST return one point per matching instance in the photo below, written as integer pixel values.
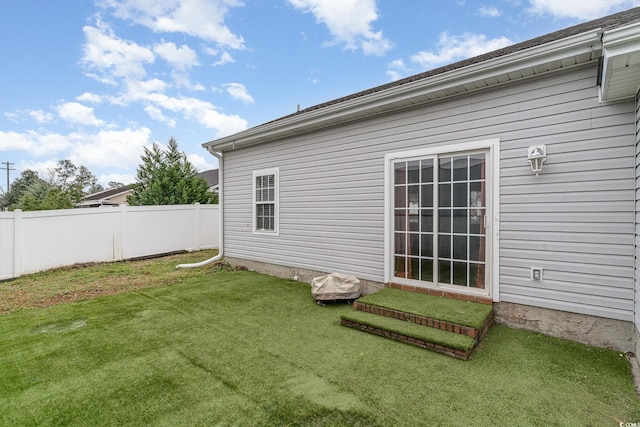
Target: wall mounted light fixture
(537, 155)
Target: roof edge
(375, 102)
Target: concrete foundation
(634, 364)
(298, 274)
(599, 331)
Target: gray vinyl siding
(637, 229)
(575, 220)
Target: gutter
(220, 219)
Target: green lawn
(238, 348)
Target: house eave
(559, 54)
(620, 63)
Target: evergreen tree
(168, 178)
(19, 187)
(42, 196)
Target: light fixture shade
(536, 156)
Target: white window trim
(276, 226)
(493, 145)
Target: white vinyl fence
(40, 240)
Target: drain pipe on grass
(220, 217)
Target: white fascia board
(588, 42)
(617, 43)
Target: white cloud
(198, 18)
(33, 142)
(125, 178)
(18, 141)
(77, 113)
(136, 89)
(40, 116)
(580, 9)
(207, 115)
(396, 69)
(12, 116)
(195, 109)
(349, 22)
(491, 12)
(105, 148)
(156, 114)
(376, 44)
(89, 97)
(202, 163)
(181, 58)
(43, 168)
(112, 57)
(239, 92)
(109, 148)
(453, 48)
(225, 58)
(150, 94)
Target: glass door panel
(413, 211)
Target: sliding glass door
(439, 226)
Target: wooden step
(460, 317)
(449, 326)
(441, 341)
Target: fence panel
(6, 247)
(40, 240)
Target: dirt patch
(25, 298)
(82, 282)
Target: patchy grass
(238, 348)
(81, 282)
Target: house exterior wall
(637, 229)
(575, 220)
(120, 199)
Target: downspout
(220, 219)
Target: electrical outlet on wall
(536, 274)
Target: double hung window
(265, 201)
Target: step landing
(449, 326)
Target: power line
(7, 167)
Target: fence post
(17, 243)
(116, 237)
(197, 221)
(123, 232)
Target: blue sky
(96, 81)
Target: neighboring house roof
(614, 39)
(212, 178)
(107, 194)
(105, 197)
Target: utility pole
(7, 167)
